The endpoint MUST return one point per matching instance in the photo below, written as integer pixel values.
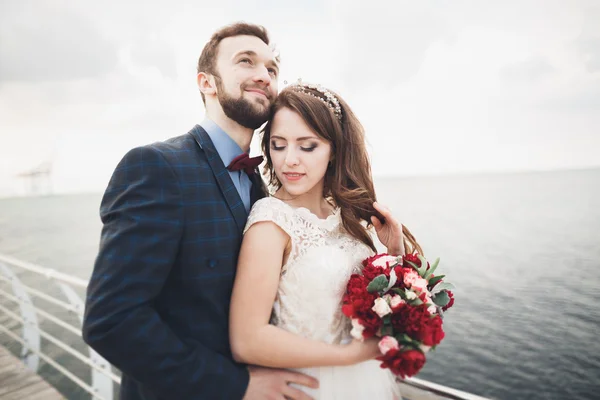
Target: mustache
(262, 88)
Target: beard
(242, 110)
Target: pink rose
(410, 277)
(381, 307)
(388, 343)
(410, 295)
(396, 300)
(420, 284)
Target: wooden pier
(19, 383)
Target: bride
(302, 244)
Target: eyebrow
(297, 139)
(252, 53)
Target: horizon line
(456, 174)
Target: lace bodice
(313, 280)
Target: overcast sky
(441, 86)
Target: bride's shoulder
(273, 210)
(267, 204)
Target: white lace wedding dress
(309, 297)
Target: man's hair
(208, 58)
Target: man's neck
(240, 134)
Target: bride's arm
(253, 340)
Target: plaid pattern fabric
(158, 300)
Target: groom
(158, 300)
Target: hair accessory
(330, 100)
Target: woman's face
(300, 157)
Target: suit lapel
(222, 176)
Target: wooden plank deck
(19, 383)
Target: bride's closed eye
(308, 149)
(274, 147)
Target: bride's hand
(390, 232)
(359, 351)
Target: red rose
(400, 271)
(370, 272)
(357, 306)
(450, 303)
(356, 285)
(410, 319)
(403, 363)
(418, 323)
(431, 333)
(413, 259)
(371, 321)
(357, 299)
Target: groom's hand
(273, 384)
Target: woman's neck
(314, 202)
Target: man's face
(246, 79)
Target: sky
(442, 87)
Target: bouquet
(400, 300)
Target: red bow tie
(245, 162)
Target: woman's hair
(348, 181)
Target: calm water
(522, 249)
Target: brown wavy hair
(348, 181)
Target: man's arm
(143, 216)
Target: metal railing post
(31, 329)
(101, 383)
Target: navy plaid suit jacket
(157, 304)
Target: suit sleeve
(142, 213)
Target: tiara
(330, 100)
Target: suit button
(211, 263)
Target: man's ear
(206, 83)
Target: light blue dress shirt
(228, 149)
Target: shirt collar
(227, 148)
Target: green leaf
(398, 261)
(412, 264)
(387, 319)
(435, 280)
(387, 330)
(423, 269)
(404, 339)
(444, 286)
(399, 292)
(378, 284)
(441, 299)
(416, 302)
(432, 269)
(392, 282)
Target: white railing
(103, 378)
